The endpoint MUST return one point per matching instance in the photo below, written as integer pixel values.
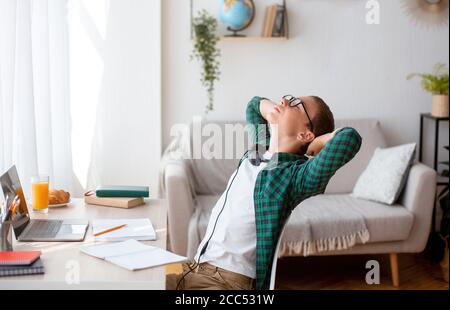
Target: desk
(67, 268)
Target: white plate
(59, 205)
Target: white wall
(358, 69)
(116, 91)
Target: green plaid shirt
(287, 180)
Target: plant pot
(444, 263)
(440, 106)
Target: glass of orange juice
(39, 193)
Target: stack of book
(125, 197)
(20, 263)
(275, 22)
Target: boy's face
(292, 122)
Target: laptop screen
(15, 207)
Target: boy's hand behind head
(318, 143)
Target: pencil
(109, 229)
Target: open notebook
(137, 229)
(133, 255)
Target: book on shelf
(266, 18)
(271, 11)
(273, 15)
(278, 24)
(275, 21)
(115, 202)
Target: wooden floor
(349, 273)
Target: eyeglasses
(295, 102)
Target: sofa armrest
(419, 198)
(180, 201)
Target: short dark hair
(323, 120)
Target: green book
(122, 191)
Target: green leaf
(439, 68)
(207, 52)
(435, 82)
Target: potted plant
(207, 52)
(445, 222)
(436, 83)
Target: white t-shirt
(233, 244)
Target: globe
(237, 14)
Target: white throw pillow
(385, 176)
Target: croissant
(56, 196)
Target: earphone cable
(197, 263)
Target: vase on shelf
(440, 106)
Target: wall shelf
(253, 38)
(248, 38)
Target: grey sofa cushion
(205, 182)
(345, 178)
(385, 223)
(386, 175)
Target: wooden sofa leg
(394, 269)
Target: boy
(245, 224)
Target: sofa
(192, 188)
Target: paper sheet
(137, 229)
(133, 255)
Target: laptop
(25, 229)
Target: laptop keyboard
(43, 229)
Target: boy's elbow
(357, 140)
(354, 138)
(252, 104)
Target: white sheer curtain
(115, 78)
(35, 118)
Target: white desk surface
(67, 268)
